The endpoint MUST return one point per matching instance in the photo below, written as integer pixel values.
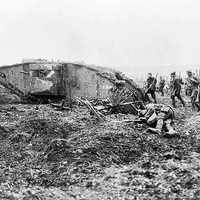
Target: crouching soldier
(159, 117)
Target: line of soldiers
(175, 85)
(159, 117)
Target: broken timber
(124, 108)
(99, 115)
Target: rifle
(154, 82)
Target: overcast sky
(134, 36)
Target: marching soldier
(151, 87)
(175, 89)
(193, 86)
(161, 86)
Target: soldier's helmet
(173, 73)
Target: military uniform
(159, 117)
(116, 92)
(161, 86)
(175, 89)
(151, 88)
(193, 86)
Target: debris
(49, 154)
(99, 115)
(124, 108)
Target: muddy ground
(46, 154)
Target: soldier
(187, 89)
(175, 89)
(118, 89)
(151, 87)
(161, 86)
(159, 117)
(193, 86)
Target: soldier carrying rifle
(151, 87)
(175, 89)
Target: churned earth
(46, 154)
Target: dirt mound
(107, 143)
(68, 147)
(42, 149)
(71, 150)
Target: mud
(50, 154)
